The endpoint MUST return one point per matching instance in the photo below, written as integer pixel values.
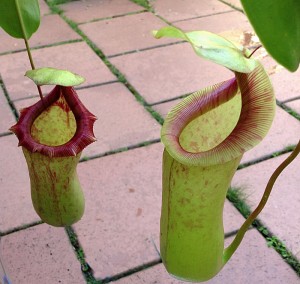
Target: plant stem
(27, 44)
(32, 65)
(239, 236)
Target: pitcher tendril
(32, 65)
(257, 48)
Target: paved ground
(132, 80)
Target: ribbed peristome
(57, 126)
(251, 101)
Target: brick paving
(121, 174)
(47, 34)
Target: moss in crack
(9, 101)
(289, 110)
(144, 3)
(287, 149)
(120, 150)
(85, 268)
(130, 271)
(237, 197)
(58, 2)
(121, 78)
(228, 3)
(155, 115)
(280, 247)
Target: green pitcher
(205, 137)
(53, 132)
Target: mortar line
(96, 85)
(120, 150)
(8, 99)
(290, 100)
(112, 17)
(275, 154)
(171, 99)
(130, 271)
(42, 46)
(86, 269)
(232, 6)
(144, 49)
(202, 16)
(114, 70)
(76, 88)
(145, 4)
(289, 110)
(3, 134)
(20, 228)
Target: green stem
(27, 44)
(229, 251)
(32, 64)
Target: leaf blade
(52, 76)
(20, 18)
(213, 47)
(277, 24)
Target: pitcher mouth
(257, 112)
(84, 125)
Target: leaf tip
(154, 33)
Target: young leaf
(213, 47)
(277, 24)
(20, 18)
(52, 76)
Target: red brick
(164, 108)
(7, 118)
(76, 57)
(41, 254)
(123, 34)
(16, 207)
(232, 21)
(168, 72)
(180, 10)
(89, 10)
(44, 8)
(286, 84)
(47, 34)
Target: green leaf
(20, 18)
(277, 24)
(52, 76)
(213, 47)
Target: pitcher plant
(52, 132)
(205, 137)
